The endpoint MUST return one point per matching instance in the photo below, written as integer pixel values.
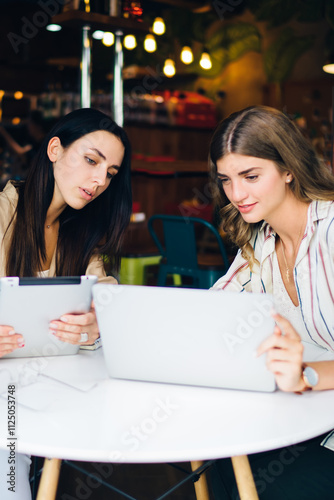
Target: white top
(284, 304)
(44, 274)
(313, 272)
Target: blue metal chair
(177, 239)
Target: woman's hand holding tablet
(75, 328)
(9, 340)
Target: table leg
(201, 487)
(244, 478)
(49, 479)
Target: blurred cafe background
(168, 71)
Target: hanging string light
(169, 68)
(187, 55)
(159, 27)
(130, 42)
(53, 27)
(98, 35)
(2, 93)
(205, 61)
(328, 67)
(108, 39)
(150, 45)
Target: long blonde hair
(266, 133)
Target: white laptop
(184, 336)
(29, 304)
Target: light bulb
(169, 68)
(53, 27)
(130, 42)
(187, 55)
(159, 27)
(98, 35)
(329, 68)
(205, 61)
(108, 39)
(18, 95)
(150, 45)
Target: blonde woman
(278, 209)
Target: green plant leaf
(281, 56)
(228, 44)
(225, 35)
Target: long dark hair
(267, 133)
(96, 229)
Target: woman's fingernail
(11, 332)
(53, 325)
(21, 343)
(53, 332)
(64, 319)
(273, 311)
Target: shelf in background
(78, 18)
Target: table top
(67, 407)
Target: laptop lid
(29, 304)
(184, 336)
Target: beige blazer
(8, 202)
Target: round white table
(68, 408)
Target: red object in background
(189, 109)
(187, 209)
(132, 9)
(171, 108)
(151, 158)
(136, 207)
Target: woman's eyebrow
(244, 172)
(99, 153)
(247, 171)
(116, 167)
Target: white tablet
(29, 304)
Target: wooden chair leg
(244, 478)
(48, 484)
(201, 486)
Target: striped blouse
(313, 272)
